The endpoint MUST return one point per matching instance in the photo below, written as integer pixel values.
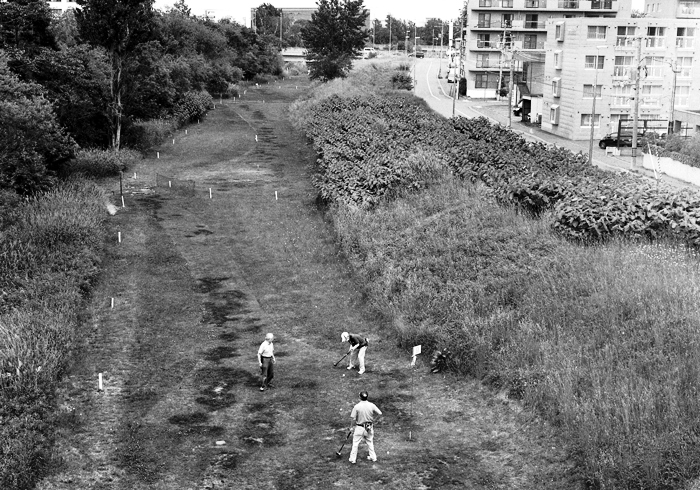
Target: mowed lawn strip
(254, 263)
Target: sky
(408, 10)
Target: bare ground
(197, 283)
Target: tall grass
(603, 340)
(49, 254)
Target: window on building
(656, 37)
(682, 95)
(685, 37)
(568, 4)
(588, 91)
(485, 3)
(623, 66)
(484, 41)
(615, 121)
(507, 4)
(586, 121)
(558, 60)
(554, 114)
(594, 62)
(655, 67)
(559, 31)
(507, 21)
(620, 95)
(651, 95)
(689, 8)
(601, 4)
(482, 60)
(556, 87)
(484, 20)
(531, 21)
(486, 80)
(530, 41)
(685, 66)
(596, 32)
(625, 35)
(532, 4)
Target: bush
(143, 135)
(402, 81)
(192, 106)
(98, 164)
(49, 255)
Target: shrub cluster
(94, 163)
(192, 106)
(49, 253)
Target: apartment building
(670, 9)
(500, 29)
(598, 60)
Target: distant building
(60, 8)
(673, 9)
(598, 55)
(296, 14)
(210, 14)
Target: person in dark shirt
(358, 347)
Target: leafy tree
(25, 25)
(119, 26)
(32, 144)
(335, 36)
(267, 20)
(182, 8)
(64, 28)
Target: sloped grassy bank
(603, 338)
(50, 251)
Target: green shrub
(143, 135)
(402, 81)
(192, 106)
(49, 256)
(98, 164)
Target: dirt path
(198, 282)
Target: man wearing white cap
(358, 347)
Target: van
(368, 52)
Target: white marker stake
(210, 193)
(123, 202)
(119, 236)
(275, 195)
(134, 174)
(173, 141)
(185, 131)
(157, 154)
(112, 305)
(256, 137)
(99, 381)
(170, 184)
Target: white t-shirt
(267, 349)
(364, 412)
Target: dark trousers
(267, 371)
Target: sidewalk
(436, 92)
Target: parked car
(368, 52)
(613, 139)
(420, 53)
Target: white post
(275, 195)
(210, 193)
(170, 184)
(157, 154)
(112, 303)
(123, 202)
(119, 237)
(173, 141)
(99, 382)
(185, 131)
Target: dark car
(615, 140)
(420, 54)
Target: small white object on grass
(123, 202)
(99, 381)
(256, 137)
(210, 193)
(112, 303)
(157, 154)
(111, 209)
(119, 236)
(170, 184)
(185, 131)
(220, 443)
(134, 174)
(275, 195)
(173, 141)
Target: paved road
(437, 93)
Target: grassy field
(197, 283)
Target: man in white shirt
(266, 359)
(363, 415)
(358, 347)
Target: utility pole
(459, 72)
(510, 90)
(635, 116)
(595, 93)
(390, 34)
(672, 122)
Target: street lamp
(405, 46)
(672, 122)
(595, 93)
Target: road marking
(427, 80)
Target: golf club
(337, 453)
(346, 354)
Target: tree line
(85, 78)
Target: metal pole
(390, 34)
(595, 90)
(510, 90)
(672, 126)
(635, 116)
